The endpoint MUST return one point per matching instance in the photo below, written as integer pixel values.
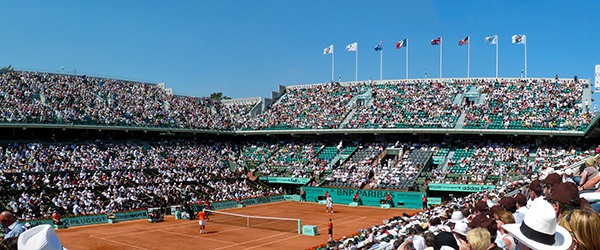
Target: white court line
(118, 242)
(296, 236)
(250, 241)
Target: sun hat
(521, 199)
(457, 217)
(565, 193)
(481, 206)
(444, 240)
(41, 237)
(552, 179)
(539, 229)
(507, 202)
(476, 220)
(461, 228)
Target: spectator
(564, 198)
(445, 239)
(539, 229)
(582, 224)
(11, 224)
(503, 239)
(479, 239)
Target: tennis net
(262, 222)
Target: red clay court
(183, 234)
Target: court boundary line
(118, 242)
(296, 236)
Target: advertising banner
(132, 215)
(368, 197)
(85, 220)
(285, 180)
(459, 187)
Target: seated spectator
(41, 237)
(582, 224)
(539, 229)
(11, 224)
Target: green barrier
(285, 180)
(223, 205)
(288, 197)
(460, 187)
(367, 197)
(85, 220)
(434, 201)
(133, 215)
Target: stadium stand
(108, 144)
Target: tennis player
(329, 205)
(203, 217)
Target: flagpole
(525, 55)
(497, 56)
(468, 57)
(441, 43)
(407, 58)
(356, 70)
(332, 66)
(381, 64)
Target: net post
(299, 227)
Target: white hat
(457, 217)
(461, 228)
(41, 237)
(591, 197)
(541, 229)
(569, 171)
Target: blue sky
(248, 48)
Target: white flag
(492, 39)
(519, 39)
(328, 50)
(352, 47)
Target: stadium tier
(83, 145)
(447, 106)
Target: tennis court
(183, 234)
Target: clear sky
(247, 48)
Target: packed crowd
(90, 178)
(400, 104)
(322, 106)
(295, 160)
(530, 104)
(357, 171)
(31, 97)
(548, 211)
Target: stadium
(122, 154)
(383, 125)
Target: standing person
(303, 195)
(388, 199)
(12, 226)
(356, 197)
(56, 218)
(203, 217)
(424, 198)
(329, 205)
(330, 229)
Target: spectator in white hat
(539, 229)
(41, 237)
